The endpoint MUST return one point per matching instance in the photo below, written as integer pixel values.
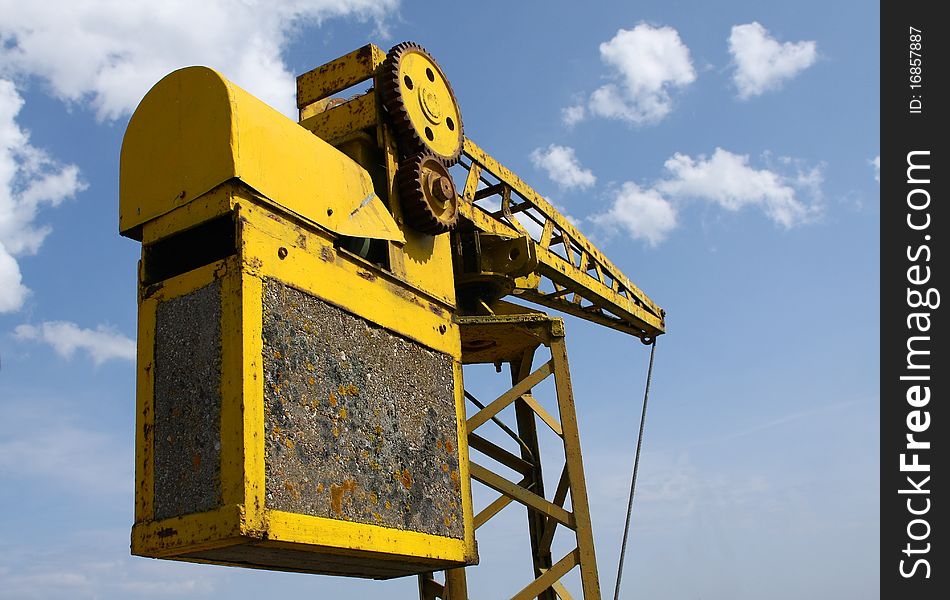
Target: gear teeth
(415, 208)
(407, 138)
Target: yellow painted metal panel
(233, 485)
(464, 477)
(215, 203)
(188, 533)
(195, 130)
(427, 264)
(251, 295)
(342, 120)
(144, 411)
(339, 74)
(155, 176)
(187, 282)
(311, 262)
(145, 407)
(335, 533)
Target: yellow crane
(308, 295)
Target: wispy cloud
(29, 180)
(106, 54)
(573, 115)
(102, 344)
(562, 167)
(96, 564)
(762, 63)
(779, 421)
(876, 163)
(673, 487)
(51, 450)
(648, 64)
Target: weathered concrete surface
(188, 403)
(360, 423)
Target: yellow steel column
(528, 432)
(456, 586)
(514, 339)
(429, 588)
(575, 469)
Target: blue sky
(722, 154)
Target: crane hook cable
(636, 465)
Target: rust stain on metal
(365, 53)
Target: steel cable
(636, 465)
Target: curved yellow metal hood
(195, 130)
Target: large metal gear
(421, 104)
(427, 194)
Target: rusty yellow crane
(309, 292)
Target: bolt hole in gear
(421, 104)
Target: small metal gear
(421, 104)
(427, 194)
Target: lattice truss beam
(574, 276)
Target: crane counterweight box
(308, 293)
(298, 407)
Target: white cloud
(101, 344)
(876, 162)
(562, 166)
(762, 63)
(110, 52)
(573, 115)
(727, 180)
(12, 291)
(649, 63)
(29, 179)
(642, 214)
